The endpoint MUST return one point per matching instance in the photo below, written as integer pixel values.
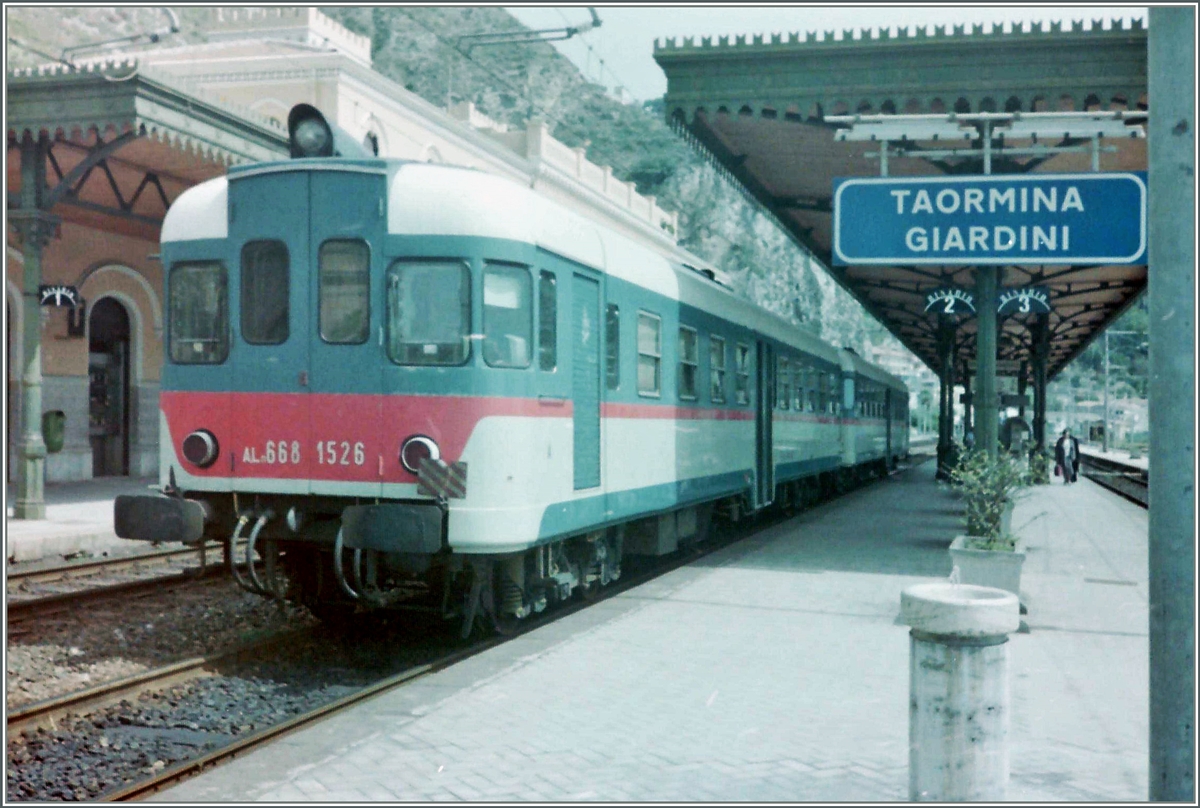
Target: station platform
(772, 670)
(1115, 456)
(79, 521)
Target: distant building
(162, 120)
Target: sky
(620, 53)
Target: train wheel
(508, 599)
(506, 625)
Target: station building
(114, 142)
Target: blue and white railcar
(422, 386)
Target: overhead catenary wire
(621, 84)
(535, 107)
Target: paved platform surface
(775, 669)
(79, 520)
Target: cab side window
(507, 316)
(547, 321)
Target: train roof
(472, 202)
(433, 199)
(870, 371)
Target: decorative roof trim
(1017, 30)
(127, 99)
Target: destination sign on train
(998, 219)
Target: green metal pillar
(1172, 292)
(986, 409)
(945, 336)
(968, 402)
(1041, 352)
(35, 228)
(1022, 387)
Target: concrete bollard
(958, 690)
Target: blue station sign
(997, 219)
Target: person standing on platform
(1066, 455)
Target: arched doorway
(108, 388)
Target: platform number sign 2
(950, 301)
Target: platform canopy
(769, 113)
(122, 142)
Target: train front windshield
(199, 313)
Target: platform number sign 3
(1026, 300)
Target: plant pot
(998, 568)
(1006, 518)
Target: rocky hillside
(417, 46)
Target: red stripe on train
(330, 436)
(612, 409)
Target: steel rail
(84, 569)
(27, 608)
(24, 608)
(1131, 482)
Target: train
(411, 386)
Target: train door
(269, 408)
(347, 232)
(764, 400)
(585, 378)
(849, 418)
(108, 388)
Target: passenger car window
(547, 321)
(716, 360)
(507, 316)
(425, 326)
(783, 384)
(199, 314)
(689, 361)
(264, 282)
(344, 279)
(741, 379)
(649, 346)
(612, 346)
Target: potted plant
(988, 554)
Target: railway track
(24, 605)
(24, 610)
(1131, 482)
(105, 566)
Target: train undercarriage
(301, 553)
